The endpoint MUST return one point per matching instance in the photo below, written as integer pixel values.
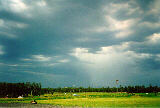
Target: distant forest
(19, 89)
(35, 89)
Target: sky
(66, 43)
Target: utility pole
(117, 85)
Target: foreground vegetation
(92, 99)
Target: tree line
(19, 89)
(128, 89)
(34, 89)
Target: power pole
(117, 85)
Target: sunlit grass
(92, 99)
(105, 102)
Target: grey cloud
(47, 32)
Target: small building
(20, 97)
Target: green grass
(105, 102)
(93, 99)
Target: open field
(93, 99)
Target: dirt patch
(25, 105)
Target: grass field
(93, 99)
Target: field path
(25, 105)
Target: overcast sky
(80, 42)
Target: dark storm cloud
(67, 42)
